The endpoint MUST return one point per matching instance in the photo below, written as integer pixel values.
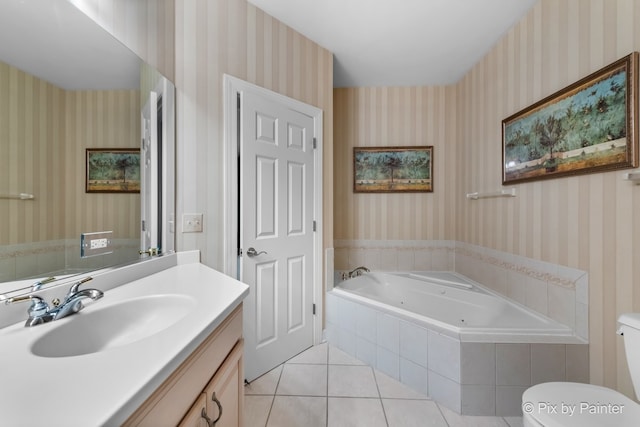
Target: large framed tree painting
(587, 127)
(393, 169)
(113, 170)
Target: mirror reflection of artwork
(393, 169)
(113, 171)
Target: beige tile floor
(324, 386)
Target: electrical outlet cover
(97, 243)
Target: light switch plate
(192, 223)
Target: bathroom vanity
(162, 347)
(209, 382)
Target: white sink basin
(113, 325)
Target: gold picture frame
(393, 169)
(588, 127)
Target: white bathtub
(450, 338)
(454, 305)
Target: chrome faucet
(39, 311)
(358, 271)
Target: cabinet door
(193, 418)
(225, 391)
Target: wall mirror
(66, 85)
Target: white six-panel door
(276, 221)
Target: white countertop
(105, 387)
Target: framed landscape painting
(393, 169)
(587, 127)
(113, 170)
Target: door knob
(251, 252)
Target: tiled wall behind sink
(556, 291)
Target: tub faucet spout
(358, 271)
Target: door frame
(148, 182)
(165, 92)
(234, 87)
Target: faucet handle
(75, 286)
(36, 286)
(38, 306)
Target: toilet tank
(630, 330)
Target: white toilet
(585, 405)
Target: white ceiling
(374, 42)
(55, 41)
(400, 42)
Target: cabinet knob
(203, 414)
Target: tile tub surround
(395, 255)
(468, 378)
(559, 292)
(556, 291)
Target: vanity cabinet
(213, 370)
(224, 391)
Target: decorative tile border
(523, 266)
(507, 261)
